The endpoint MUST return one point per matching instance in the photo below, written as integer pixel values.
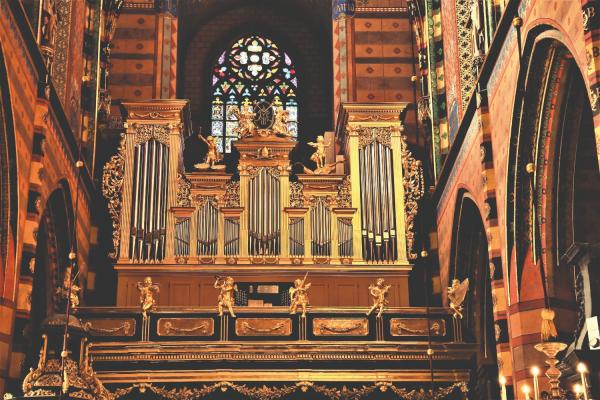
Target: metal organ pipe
(377, 200)
(264, 218)
(149, 205)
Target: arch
(290, 24)
(8, 175)
(470, 259)
(54, 243)
(550, 108)
(252, 69)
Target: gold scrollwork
(146, 132)
(296, 195)
(344, 194)
(416, 327)
(368, 135)
(107, 327)
(232, 194)
(185, 327)
(340, 327)
(414, 188)
(263, 327)
(113, 175)
(184, 191)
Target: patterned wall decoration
(61, 51)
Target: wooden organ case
(340, 230)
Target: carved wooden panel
(417, 327)
(263, 326)
(185, 327)
(340, 327)
(111, 327)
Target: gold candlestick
(502, 380)
(551, 349)
(535, 371)
(582, 369)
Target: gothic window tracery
(253, 69)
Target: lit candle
(578, 390)
(526, 390)
(502, 380)
(535, 371)
(582, 369)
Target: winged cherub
(299, 296)
(148, 290)
(379, 291)
(226, 298)
(456, 294)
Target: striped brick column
(499, 297)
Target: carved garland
(112, 185)
(296, 195)
(276, 393)
(368, 135)
(414, 188)
(146, 132)
(232, 194)
(184, 191)
(344, 195)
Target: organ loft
(299, 199)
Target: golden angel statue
(147, 290)
(379, 291)
(299, 296)
(245, 117)
(226, 298)
(280, 126)
(69, 289)
(456, 294)
(213, 155)
(319, 155)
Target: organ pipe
(149, 202)
(265, 209)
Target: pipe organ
(352, 213)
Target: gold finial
(517, 22)
(530, 168)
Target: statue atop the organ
(319, 155)
(213, 156)
(280, 126)
(246, 126)
(379, 292)
(299, 296)
(226, 298)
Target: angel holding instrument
(213, 155)
(299, 296)
(319, 155)
(456, 294)
(245, 117)
(226, 298)
(280, 126)
(379, 291)
(148, 290)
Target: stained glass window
(253, 69)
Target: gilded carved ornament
(344, 195)
(146, 132)
(368, 135)
(296, 195)
(232, 194)
(113, 175)
(279, 392)
(184, 191)
(414, 188)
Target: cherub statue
(246, 126)
(212, 155)
(379, 291)
(280, 126)
(456, 294)
(299, 296)
(226, 298)
(319, 155)
(148, 290)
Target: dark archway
(54, 243)
(470, 259)
(8, 175)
